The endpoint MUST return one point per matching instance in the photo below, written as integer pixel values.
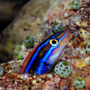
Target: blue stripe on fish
(33, 58)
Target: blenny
(44, 56)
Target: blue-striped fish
(44, 56)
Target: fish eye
(53, 42)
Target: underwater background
(8, 11)
(45, 45)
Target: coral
(63, 69)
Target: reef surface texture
(37, 19)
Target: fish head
(60, 39)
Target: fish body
(44, 56)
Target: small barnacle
(29, 41)
(57, 26)
(88, 48)
(75, 4)
(63, 69)
(1, 70)
(79, 82)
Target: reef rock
(26, 23)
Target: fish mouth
(63, 35)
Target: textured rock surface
(30, 21)
(26, 23)
(9, 8)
